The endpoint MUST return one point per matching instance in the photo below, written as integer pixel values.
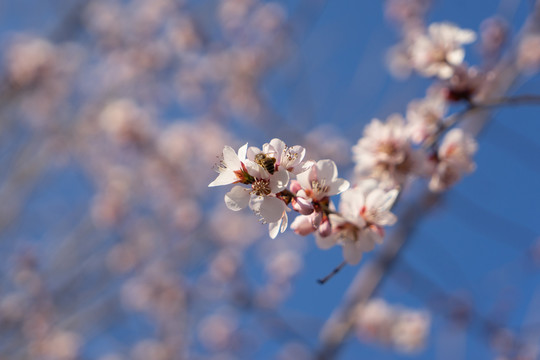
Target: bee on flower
(266, 173)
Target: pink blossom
(424, 116)
(363, 211)
(440, 50)
(454, 158)
(385, 152)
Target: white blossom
(288, 158)
(410, 330)
(404, 329)
(363, 211)
(440, 50)
(260, 195)
(425, 115)
(264, 184)
(312, 191)
(454, 158)
(232, 168)
(385, 152)
(321, 181)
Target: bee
(267, 162)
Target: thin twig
(331, 275)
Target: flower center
(388, 148)
(261, 187)
(319, 187)
(290, 154)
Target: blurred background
(112, 116)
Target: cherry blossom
(312, 197)
(385, 152)
(440, 50)
(424, 116)
(402, 328)
(363, 211)
(232, 168)
(288, 158)
(453, 159)
(260, 196)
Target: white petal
(255, 170)
(273, 229)
(230, 159)
(381, 200)
(351, 253)
(352, 202)
(304, 178)
(302, 225)
(279, 180)
(386, 218)
(278, 146)
(326, 169)
(284, 223)
(338, 186)
(237, 198)
(456, 56)
(325, 242)
(252, 151)
(242, 152)
(270, 209)
(445, 72)
(367, 185)
(367, 240)
(224, 178)
(374, 235)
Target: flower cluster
(437, 51)
(400, 149)
(276, 176)
(266, 172)
(401, 328)
(275, 179)
(364, 210)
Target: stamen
(261, 187)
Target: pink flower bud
(325, 228)
(302, 205)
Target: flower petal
(325, 242)
(284, 223)
(230, 159)
(304, 178)
(224, 178)
(273, 228)
(252, 151)
(242, 152)
(338, 186)
(351, 253)
(381, 200)
(302, 225)
(237, 198)
(270, 209)
(279, 180)
(327, 169)
(303, 206)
